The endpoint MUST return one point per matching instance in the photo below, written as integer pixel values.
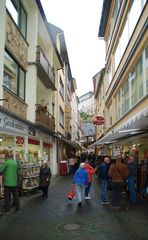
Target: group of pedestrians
(118, 172)
(121, 174)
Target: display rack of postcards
(30, 177)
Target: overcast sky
(79, 19)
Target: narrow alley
(57, 218)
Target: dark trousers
(7, 197)
(87, 189)
(45, 191)
(117, 189)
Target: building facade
(123, 102)
(86, 103)
(33, 77)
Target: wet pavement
(56, 218)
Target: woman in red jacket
(90, 171)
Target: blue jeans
(79, 189)
(103, 190)
(132, 190)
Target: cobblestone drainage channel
(71, 226)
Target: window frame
(19, 17)
(19, 68)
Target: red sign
(98, 120)
(20, 140)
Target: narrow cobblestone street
(57, 218)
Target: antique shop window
(61, 117)
(14, 77)
(18, 14)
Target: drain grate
(71, 226)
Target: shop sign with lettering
(8, 123)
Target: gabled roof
(104, 17)
(56, 30)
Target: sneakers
(105, 202)
(114, 207)
(88, 197)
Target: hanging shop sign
(98, 120)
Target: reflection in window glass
(22, 84)
(10, 73)
(18, 14)
(124, 38)
(125, 97)
(61, 117)
(23, 22)
(134, 15)
(139, 67)
(13, 10)
(133, 87)
(14, 77)
(118, 105)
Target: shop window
(14, 77)
(18, 14)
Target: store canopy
(138, 124)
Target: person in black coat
(44, 178)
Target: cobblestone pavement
(56, 218)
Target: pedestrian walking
(44, 178)
(80, 180)
(90, 171)
(132, 179)
(10, 170)
(71, 162)
(118, 173)
(104, 168)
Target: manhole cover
(71, 226)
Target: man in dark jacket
(104, 168)
(132, 177)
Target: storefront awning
(138, 124)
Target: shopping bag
(71, 194)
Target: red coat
(90, 171)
